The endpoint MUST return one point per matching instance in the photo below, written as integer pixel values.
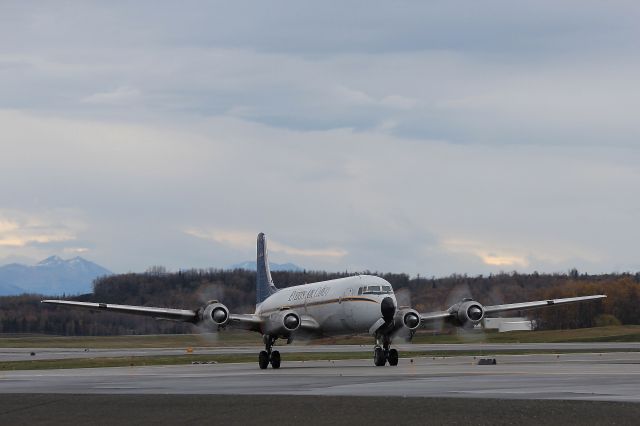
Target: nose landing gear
(268, 356)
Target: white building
(507, 324)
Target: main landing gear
(268, 356)
(382, 354)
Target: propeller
(475, 313)
(291, 321)
(220, 316)
(403, 297)
(457, 294)
(403, 300)
(412, 320)
(204, 294)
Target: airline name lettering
(308, 294)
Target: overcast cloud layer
(418, 137)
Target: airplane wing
(184, 315)
(429, 317)
(250, 322)
(245, 321)
(434, 316)
(538, 304)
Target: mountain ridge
(52, 276)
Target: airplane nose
(387, 308)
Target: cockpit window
(376, 289)
(360, 291)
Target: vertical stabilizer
(264, 282)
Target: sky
(424, 137)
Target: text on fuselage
(308, 294)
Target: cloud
(294, 251)
(243, 239)
(21, 231)
(321, 28)
(8, 226)
(361, 145)
(520, 75)
(238, 239)
(121, 95)
(489, 256)
(23, 240)
(76, 250)
(384, 203)
(358, 97)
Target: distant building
(507, 324)
(516, 326)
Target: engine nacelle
(467, 313)
(283, 323)
(215, 315)
(409, 318)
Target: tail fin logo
(264, 282)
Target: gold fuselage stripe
(323, 302)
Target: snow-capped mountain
(251, 266)
(53, 276)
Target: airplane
(351, 305)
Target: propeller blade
(403, 297)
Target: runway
(21, 354)
(603, 377)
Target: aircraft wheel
(275, 359)
(263, 360)
(393, 357)
(378, 357)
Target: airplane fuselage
(341, 306)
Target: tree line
(236, 288)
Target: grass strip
(627, 333)
(142, 361)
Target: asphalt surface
(568, 389)
(37, 409)
(21, 354)
(604, 377)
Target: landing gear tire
(275, 359)
(393, 357)
(378, 357)
(263, 360)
